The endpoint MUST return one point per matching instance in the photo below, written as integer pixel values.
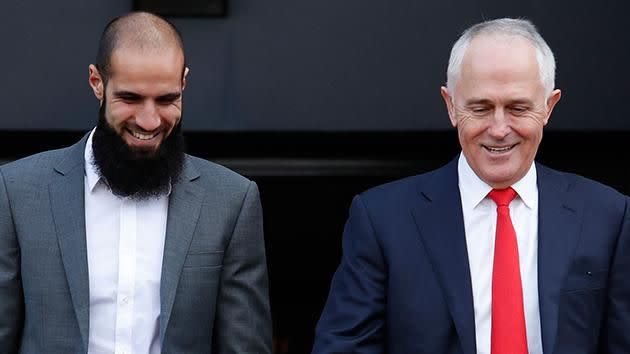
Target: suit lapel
(67, 202)
(439, 219)
(183, 213)
(559, 223)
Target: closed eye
(479, 110)
(518, 109)
(129, 97)
(168, 98)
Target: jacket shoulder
(406, 188)
(590, 192)
(577, 183)
(32, 169)
(211, 172)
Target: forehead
(499, 61)
(146, 68)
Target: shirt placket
(126, 277)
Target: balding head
(137, 31)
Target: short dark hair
(132, 25)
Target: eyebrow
(476, 101)
(172, 96)
(126, 94)
(520, 101)
(169, 96)
(485, 101)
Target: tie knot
(502, 197)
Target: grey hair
(508, 27)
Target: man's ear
(448, 100)
(96, 82)
(186, 71)
(551, 103)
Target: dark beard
(138, 174)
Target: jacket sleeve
(353, 318)
(243, 318)
(11, 299)
(615, 339)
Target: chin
(143, 151)
(500, 179)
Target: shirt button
(125, 300)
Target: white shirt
(125, 244)
(480, 219)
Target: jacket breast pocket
(204, 260)
(589, 280)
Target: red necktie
(509, 335)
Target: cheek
(469, 129)
(170, 115)
(529, 129)
(536, 119)
(117, 114)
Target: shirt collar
(91, 174)
(473, 190)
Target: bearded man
(122, 243)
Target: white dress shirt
(480, 219)
(125, 244)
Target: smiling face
(499, 108)
(143, 95)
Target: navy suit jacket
(403, 285)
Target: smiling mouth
(141, 136)
(499, 150)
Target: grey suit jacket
(213, 286)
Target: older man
(122, 243)
(492, 253)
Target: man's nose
(148, 118)
(499, 125)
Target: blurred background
(317, 101)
